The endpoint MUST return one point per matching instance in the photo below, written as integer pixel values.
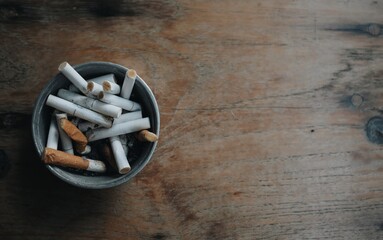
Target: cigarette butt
(90, 103)
(119, 101)
(128, 84)
(73, 76)
(128, 117)
(66, 142)
(59, 158)
(75, 134)
(78, 111)
(145, 135)
(119, 129)
(111, 88)
(94, 88)
(119, 155)
(53, 135)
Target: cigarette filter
(119, 129)
(145, 135)
(128, 84)
(119, 155)
(59, 158)
(73, 76)
(78, 111)
(92, 104)
(119, 101)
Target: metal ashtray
(141, 153)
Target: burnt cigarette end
(90, 86)
(131, 73)
(106, 85)
(83, 150)
(147, 136)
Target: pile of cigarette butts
(92, 110)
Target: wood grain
(263, 111)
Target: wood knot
(374, 29)
(356, 100)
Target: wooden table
(263, 112)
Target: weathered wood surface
(263, 109)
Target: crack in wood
(372, 29)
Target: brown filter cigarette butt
(145, 135)
(56, 157)
(75, 134)
(59, 158)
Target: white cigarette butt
(78, 111)
(111, 88)
(119, 101)
(119, 155)
(128, 117)
(53, 135)
(73, 76)
(119, 129)
(128, 84)
(94, 88)
(90, 103)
